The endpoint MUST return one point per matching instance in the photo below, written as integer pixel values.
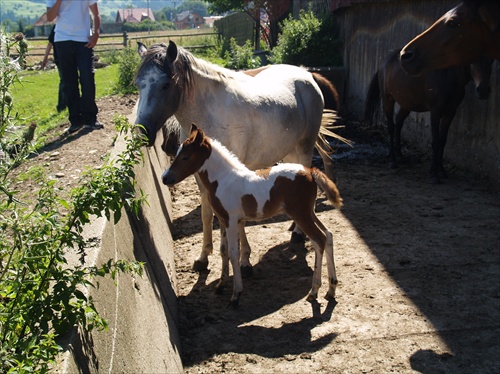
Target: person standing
(74, 43)
(61, 100)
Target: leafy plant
(129, 62)
(241, 57)
(308, 41)
(42, 295)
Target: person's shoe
(93, 126)
(74, 128)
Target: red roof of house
(134, 15)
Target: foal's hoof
(329, 296)
(200, 265)
(246, 271)
(297, 238)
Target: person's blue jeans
(76, 64)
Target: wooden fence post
(125, 39)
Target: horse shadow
(205, 317)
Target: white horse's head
(159, 86)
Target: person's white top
(73, 20)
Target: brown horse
(438, 91)
(462, 35)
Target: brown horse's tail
(330, 93)
(372, 103)
(328, 187)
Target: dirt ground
(418, 266)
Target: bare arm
(52, 12)
(97, 26)
(46, 56)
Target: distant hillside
(31, 10)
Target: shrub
(42, 294)
(307, 41)
(129, 62)
(239, 58)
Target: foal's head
(190, 157)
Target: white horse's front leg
(330, 263)
(207, 216)
(245, 265)
(234, 256)
(225, 260)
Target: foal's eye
(185, 158)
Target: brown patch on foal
(249, 205)
(217, 206)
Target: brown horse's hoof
(297, 238)
(219, 289)
(200, 266)
(435, 180)
(246, 271)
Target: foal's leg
(225, 260)
(234, 256)
(245, 265)
(207, 216)
(313, 229)
(301, 155)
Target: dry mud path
(419, 272)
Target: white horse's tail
(326, 185)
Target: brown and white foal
(238, 194)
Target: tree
(276, 11)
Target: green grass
(35, 99)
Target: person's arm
(52, 12)
(97, 26)
(46, 56)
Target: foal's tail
(328, 187)
(372, 103)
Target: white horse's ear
(171, 51)
(141, 49)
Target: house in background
(134, 15)
(188, 20)
(42, 27)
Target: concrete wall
(370, 30)
(141, 311)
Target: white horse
(245, 113)
(238, 194)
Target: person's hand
(92, 41)
(44, 64)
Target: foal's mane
(226, 154)
(183, 68)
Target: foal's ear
(171, 51)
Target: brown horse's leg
(389, 115)
(436, 146)
(400, 120)
(443, 137)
